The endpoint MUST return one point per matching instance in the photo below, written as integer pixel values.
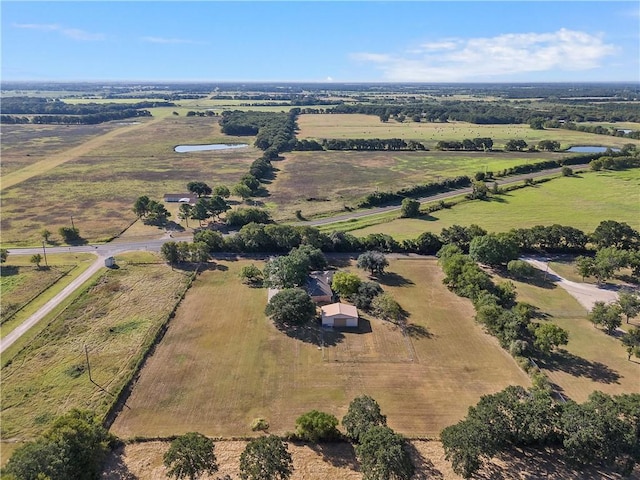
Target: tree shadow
(392, 279)
(338, 454)
(413, 330)
(313, 334)
(567, 362)
(8, 270)
(115, 468)
(425, 469)
(339, 262)
(173, 227)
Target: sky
(330, 41)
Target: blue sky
(362, 41)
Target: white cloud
(73, 33)
(174, 41)
(494, 57)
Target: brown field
(143, 461)
(592, 360)
(222, 363)
(99, 186)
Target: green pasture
(344, 126)
(581, 202)
(115, 317)
(592, 360)
(222, 363)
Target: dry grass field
(98, 187)
(143, 461)
(222, 363)
(115, 318)
(322, 182)
(592, 360)
(321, 126)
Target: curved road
(120, 246)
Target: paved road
(20, 330)
(441, 196)
(585, 293)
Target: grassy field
(321, 182)
(592, 360)
(222, 363)
(114, 317)
(321, 126)
(581, 202)
(98, 187)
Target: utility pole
(86, 354)
(44, 250)
(72, 225)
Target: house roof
(339, 309)
(319, 284)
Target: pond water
(590, 149)
(211, 146)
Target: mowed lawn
(222, 363)
(321, 126)
(98, 188)
(114, 318)
(592, 360)
(581, 202)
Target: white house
(339, 315)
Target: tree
(607, 261)
(631, 340)
(185, 212)
(493, 249)
(199, 188)
(383, 455)
(291, 306)
(549, 336)
(549, 145)
(610, 233)
(37, 258)
(629, 304)
(189, 456)
(266, 458)
(515, 145)
(251, 274)
(141, 206)
(345, 283)
(221, 191)
(241, 190)
(427, 244)
(316, 426)
(363, 414)
(567, 171)
(45, 234)
(410, 208)
(367, 291)
(585, 266)
(373, 261)
(384, 306)
(73, 448)
(607, 315)
(4, 254)
(286, 271)
(169, 251)
(69, 234)
(521, 269)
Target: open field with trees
(116, 317)
(582, 202)
(240, 367)
(327, 126)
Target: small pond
(590, 149)
(211, 146)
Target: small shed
(339, 315)
(109, 262)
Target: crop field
(581, 202)
(115, 318)
(322, 182)
(592, 360)
(319, 126)
(222, 363)
(98, 187)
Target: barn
(339, 315)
